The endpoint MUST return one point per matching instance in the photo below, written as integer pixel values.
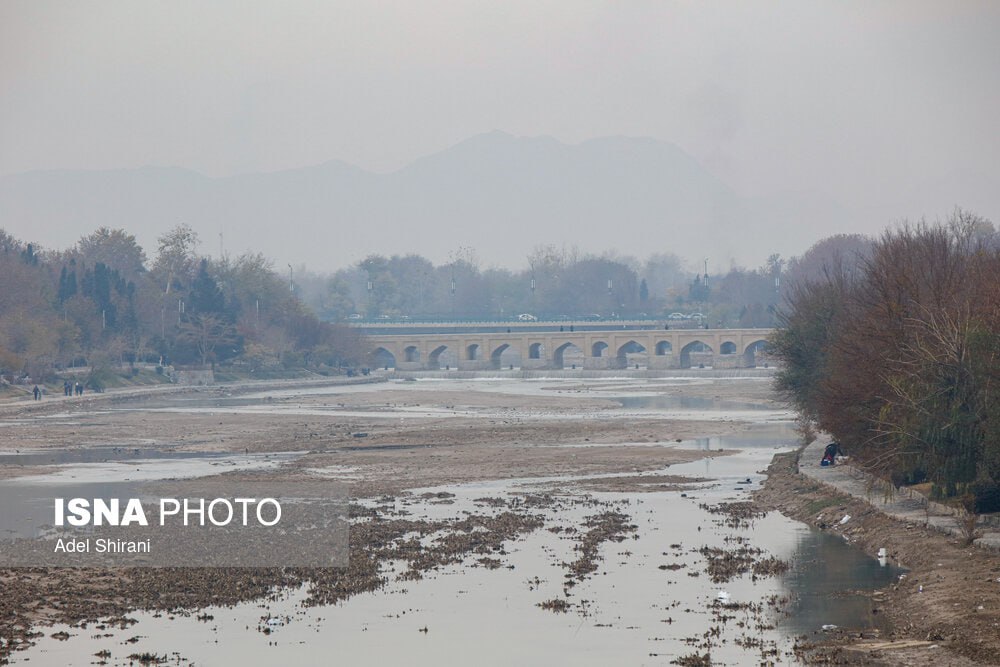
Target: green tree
(206, 296)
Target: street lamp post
(370, 286)
(453, 291)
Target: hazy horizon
(868, 113)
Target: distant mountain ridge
(499, 194)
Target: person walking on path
(79, 389)
(37, 392)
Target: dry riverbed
(579, 459)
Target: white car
(676, 316)
(527, 317)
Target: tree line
(103, 303)
(556, 283)
(894, 349)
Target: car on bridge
(676, 316)
(527, 317)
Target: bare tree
(175, 254)
(206, 332)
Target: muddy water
(649, 602)
(68, 455)
(674, 403)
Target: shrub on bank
(897, 355)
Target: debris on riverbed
(736, 514)
(558, 605)
(640, 483)
(693, 660)
(723, 565)
(609, 526)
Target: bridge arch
(728, 347)
(631, 347)
(559, 354)
(496, 354)
(753, 350)
(472, 352)
(411, 354)
(434, 358)
(535, 351)
(663, 348)
(692, 347)
(380, 357)
(598, 349)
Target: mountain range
(498, 194)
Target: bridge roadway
(391, 326)
(605, 348)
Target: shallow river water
(649, 602)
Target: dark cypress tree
(206, 296)
(63, 279)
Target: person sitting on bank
(831, 453)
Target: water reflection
(770, 436)
(827, 581)
(663, 402)
(63, 456)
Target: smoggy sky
(862, 101)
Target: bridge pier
(474, 365)
(662, 362)
(599, 363)
(727, 360)
(410, 365)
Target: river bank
(945, 611)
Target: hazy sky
(864, 101)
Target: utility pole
(291, 289)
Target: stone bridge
(609, 349)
